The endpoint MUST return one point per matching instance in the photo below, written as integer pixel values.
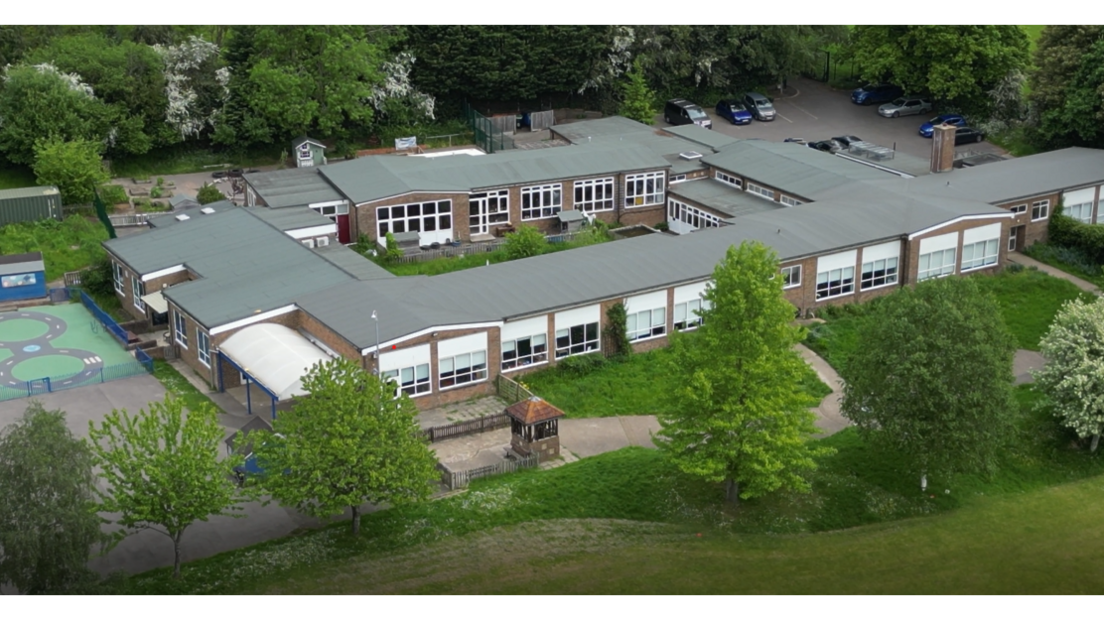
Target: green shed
(29, 204)
(308, 152)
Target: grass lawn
(175, 161)
(480, 259)
(1032, 33)
(900, 540)
(1071, 262)
(66, 246)
(632, 386)
(179, 385)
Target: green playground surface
(82, 331)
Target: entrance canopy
(157, 302)
(276, 356)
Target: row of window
(203, 340)
(690, 215)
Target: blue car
(734, 111)
(876, 93)
(927, 129)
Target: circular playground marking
(35, 357)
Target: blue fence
(54, 384)
(105, 319)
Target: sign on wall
(17, 280)
(406, 143)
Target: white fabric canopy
(157, 302)
(275, 355)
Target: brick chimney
(942, 157)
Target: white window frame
(203, 347)
(643, 189)
(137, 290)
(888, 266)
(789, 201)
(690, 215)
(989, 249)
(845, 276)
(1040, 210)
(654, 322)
(1081, 215)
(441, 217)
(676, 179)
(583, 346)
(475, 372)
(497, 209)
(180, 329)
(728, 179)
(541, 201)
(605, 186)
(119, 277)
(416, 386)
(945, 268)
(685, 316)
(789, 280)
(760, 190)
(533, 358)
(1019, 209)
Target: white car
(903, 106)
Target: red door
(343, 229)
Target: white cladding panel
(462, 345)
(688, 293)
(888, 250)
(647, 301)
(981, 233)
(403, 358)
(578, 316)
(1076, 197)
(525, 327)
(837, 261)
(939, 242)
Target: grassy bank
(179, 385)
(66, 246)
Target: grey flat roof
(582, 132)
(617, 131)
(372, 178)
(792, 168)
(352, 263)
(41, 190)
(169, 219)
(244, 265)
(293, 187)
(908, 164)
(702, 136)
(723, 198)
(1021, 177)
(291, 218)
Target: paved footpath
(1027, 261)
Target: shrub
(113, 194)
(394, 253)
(155, 192)
(579, 366)
(617, 328)
(209, 194)
(527, 241)
(1088, 238)
(97, 278)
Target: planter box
(139, 192)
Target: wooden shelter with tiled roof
(535, 426)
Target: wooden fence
(510, 391)
(463, 428)
(459, 479)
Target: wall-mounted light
(434, 335)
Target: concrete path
(829, 419)
(1024, 362)
(586, 437)
(1027, 261)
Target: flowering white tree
(396, 86)
(1073, 378)
(196, 88)
(72, 80)
(617, 61)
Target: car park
(876, 93)
(684, 112)
(927, 129)
(845, 141)
(968, 135)
(797, 140)
(904, 106)
(733, 110)
(760, 106)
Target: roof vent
(182, 217)
(207, 210)
(690, 155)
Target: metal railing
(106, 320)
(45, 385)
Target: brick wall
(1033, 231)
(451, 395)
(909, 269)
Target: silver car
(903, 106)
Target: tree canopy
(1067, 86)
(738, 414)
(931, 377)
(1073, 377)
(74, 167)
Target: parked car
(683, 112)
(760, 106)
(876, 93)
(828, 146)
(903, 106)
(797, 140)
(966, 135)
(845, 141)
(927, 129)
(733, 110)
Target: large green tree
(163, 468)
(637, 100)
(48, 520)
(1067, 87)
(74, 167)
(959, 64)
(1073, 378)
(738, 414)
(348, 442)
(931, 377)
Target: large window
(691, 217)
(462, 369)
(646, 324)
(1081, 212)
(878, 273)
(789, 201)
(416, 217)
(728, 179)
(936, 264)
(979, 254)
(333, 211)
(526, 351)
(686, 315)
(644, 189)
(791, 277)
(835, 283)
(117, 271)
(411, 380)
(577, 340)
(1040, 210)
(137, 290)
(180, 329)
(593, 195)
(543, 201)
(760, 190)
(203, 347)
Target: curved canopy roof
(275, 355)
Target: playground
(49, 348)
